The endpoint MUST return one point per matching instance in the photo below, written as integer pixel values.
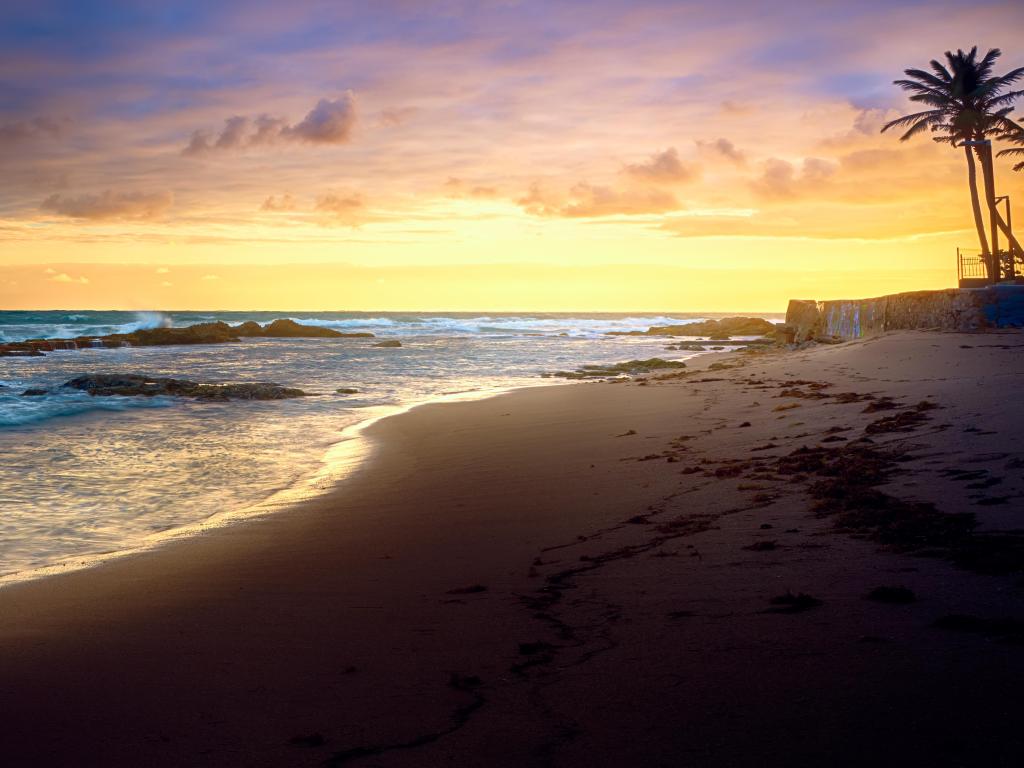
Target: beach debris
(473, 589)
(790, 603)
(881, 404)
(127, 384)
(786, 407)
(893, 595)
(616, 370)
(905, 421)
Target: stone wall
(952, 309)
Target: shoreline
(501, 561)
(341, 458)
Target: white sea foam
(83, 475)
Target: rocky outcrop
(713, 329)
(201, 333)
(127, 384)
(388, 343)
(289, 329)
(629, 368)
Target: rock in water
(107, 384)
(723, 329)
(201, 333)
(248, 328)
(284, 328)
(629, 368)
(388, 343)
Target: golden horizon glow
(449, 163)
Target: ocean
(84, 478)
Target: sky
(494, 155)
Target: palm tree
(968, 107)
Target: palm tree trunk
(972, 180)
(988, 174)
(997, 220)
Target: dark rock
(201, 333)
(104, 385)
(249, 328)
(19, 349)
(629, 368)
(284, 328)
(727, 326)
(388, 343)
(34, 392)
(346, 391)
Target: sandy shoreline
(572, 575)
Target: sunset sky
(495, 155)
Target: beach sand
(584, 575)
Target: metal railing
(970, 266)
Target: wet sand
(603, 574)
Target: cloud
(781, 180)
(110, 205)
(166, 284)
(664, 167)
(722, 148)
(331, 121)
(460, 189)
(735, 108)
(590, 201)
(282, 203)
(64, 277)
(234, 133)
(389, 118)
(210, 277)
(24, 130)
(345, 209)
(162, 270)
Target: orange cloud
(586, 200)
(664, 168)
(110, 205)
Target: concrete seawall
(1000, 306)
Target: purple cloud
(331, 121)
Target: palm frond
(941, 71)
(925, 77)
(900, 122)
(919, 127)
(1006, 98)
(984, 67)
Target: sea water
(82, 476)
